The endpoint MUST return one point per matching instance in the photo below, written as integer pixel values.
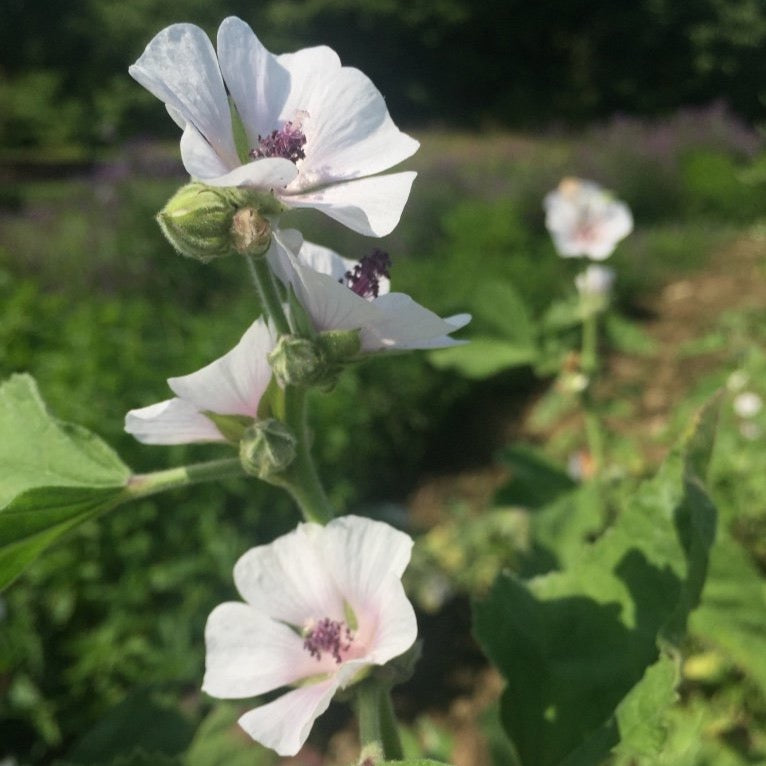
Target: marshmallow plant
(585, 220)
(324, 609)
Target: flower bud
(267, 448)
(339, 345)
(207, 222)
(250, 232)
(300, 362)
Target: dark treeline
(459, 63)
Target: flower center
(287, 142)
(365, 277)
(332, 636)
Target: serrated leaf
(573, 644)
(53, 476)
(483, 357)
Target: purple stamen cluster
(365, 277)
(287, 142)
(330, 636)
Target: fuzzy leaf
(574, 645)
(53, 476)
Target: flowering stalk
(268, 293)
(301, 480)
(375, 716)
(589, 365)
(145, 484)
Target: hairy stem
(145, 484)
(267, 290)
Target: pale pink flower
(322, 605)
(342, 294)
(584, 219)
(317, 132)
(747, 404)
(231, 385)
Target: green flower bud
(340, 345)
(267, 448)
(300, 362)
(207, 222)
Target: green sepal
(340, 346)
(232, 427)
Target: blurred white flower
(323, 604)
(231, 385)
(315, 130)
(584, 219)
(340, 294)
(747, 404)
(595, 282)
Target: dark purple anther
(328, 636)
(288, 143)
(364, 280)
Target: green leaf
(535, 481)
(732, 614)
(220, 741)
(503, 309)
(53, 476)
(143, 720)
(483, 357)
(573, 645)
(415, 762)
(627, 336)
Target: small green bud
(207, 222)
(340, 345)
(267, 448)
(300, 362)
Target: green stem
(267, 290)
(301, 479)
(145, 484)
(375, 716)
(590, 366)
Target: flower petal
(369, 206)
(269, 173)
(248, 653)
(173, 421)
(258, 83)
(348, 129)
(233, 384)
(396, 626)
(362, 553)
(405, 324)
(331, 305)
(179, 67)
(284, 725)
(288, 580)
(199, 158)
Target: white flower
(231, 385)
(386, 321)
(322, 605)
(747, 404)
(315, 129)
(584, 219)
(595, 282)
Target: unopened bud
(208, 222)
(250, 232)
(267, 448)
(300, 362)
(340, 345)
